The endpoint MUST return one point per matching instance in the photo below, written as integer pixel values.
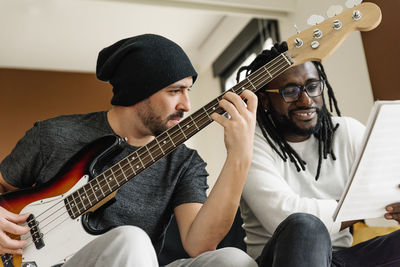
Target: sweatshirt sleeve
(271, 199)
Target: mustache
(178, 114)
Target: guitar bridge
(35, 232)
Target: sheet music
(375, 175)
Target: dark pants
(303, 240)
(381, 251)
(300, 240)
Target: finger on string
(229, 107)
(9, 243)
(15, 229)
(13, 217)
(21, 218)
(218, 118)
(237, 102)
(251, 100)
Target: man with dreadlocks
(301, 163)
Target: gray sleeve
(22, 166)
(192, 185)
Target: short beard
(154, 122)
(284, 124)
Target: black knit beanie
(140, 66)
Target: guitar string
(261, 73)
(164, 139)
(117, 176)
(138, 156)
(66, 216)
(255, 84)
(121, 168)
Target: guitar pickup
(35, 232)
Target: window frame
(250, 40)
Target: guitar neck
(113, 178)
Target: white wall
(346, 70)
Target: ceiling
(67, 35)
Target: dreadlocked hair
(324, 134)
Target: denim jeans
(303, 240)
(300, 240)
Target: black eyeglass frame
(302, 88)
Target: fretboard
(113, 178)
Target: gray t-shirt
(146, 201)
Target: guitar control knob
(314, 44)
(317, 33)
(298, 42)
(356, 15)
(337, 24)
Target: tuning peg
(315, 19)
(352, 3)
(334, 10)
(297, 29)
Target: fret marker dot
(133, 158)
(187, 126)
(213, 108)
(137, 166)
(164, 142)
(83, 197)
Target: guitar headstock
(318, 42)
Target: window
(259, 34)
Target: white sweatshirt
(274, 189)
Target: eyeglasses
(291, 93)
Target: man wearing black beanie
(151, 77)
